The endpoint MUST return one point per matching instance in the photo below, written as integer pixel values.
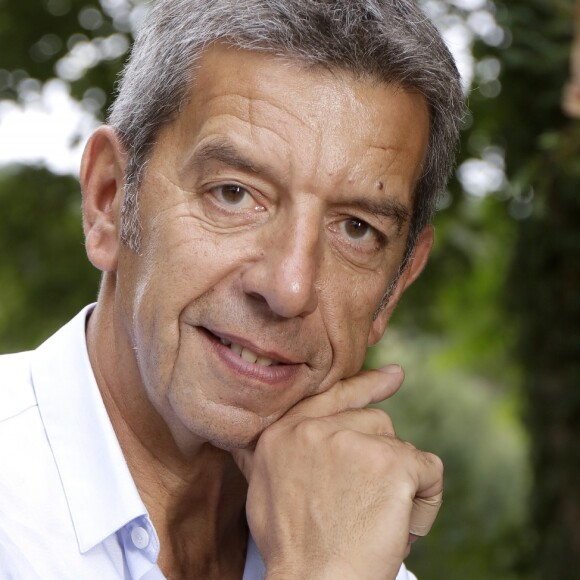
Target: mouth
(247, 354)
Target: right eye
(234, 196)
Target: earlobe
(102, 181)
(415, 266)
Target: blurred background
(489, 336)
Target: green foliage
(469, 422)
(45, 277)
(543, 152)
(36, 35)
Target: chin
(227, 427)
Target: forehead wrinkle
(252, 113)
(253, 120)
(222, 149)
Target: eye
(234, 196)
(358, 236)
(357, 229)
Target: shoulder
(16, 390)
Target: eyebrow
(386, 208)
(222, 151)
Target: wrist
(315, 571)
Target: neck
(195, 494)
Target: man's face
(274, 212)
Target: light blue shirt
(69, 508)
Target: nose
(285, 275)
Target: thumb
(356, 392)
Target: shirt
(69, 507)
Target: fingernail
(391, 369)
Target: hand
(332, 492)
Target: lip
(275, 356)
(280, 375)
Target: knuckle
(381, 418)
(350, 449)
(342, 440)
(379, 414)
(435, 462)
(309, 431)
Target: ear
(102, 180)
(417, 262)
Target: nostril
(257, 297)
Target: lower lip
(275, 375)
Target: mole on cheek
(380, 185)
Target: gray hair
(391, 41)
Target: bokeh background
(489, 336)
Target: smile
(247, 354)
(261, 367)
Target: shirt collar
(100, 491)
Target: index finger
(356, 392)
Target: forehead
(312, 122)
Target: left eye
(357, 229)
(233, 195)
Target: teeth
(264, 361)
(247, 354)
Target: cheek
(349, 319)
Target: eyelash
(380, 239)
(231, 208)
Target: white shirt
(69, 508)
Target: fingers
(425, 470)
(368, 421)
(423, 514)
(354, 393)
(429, 494)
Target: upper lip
(271, 354)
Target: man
(258, 203)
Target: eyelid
(256, 204)
(371, 246)
(381, 236)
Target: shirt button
(140, 537)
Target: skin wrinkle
(187, 212)
(380, 148)
(254, 124)
(221, 150)
(233, 264)
(183, 387)
(417, 57)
